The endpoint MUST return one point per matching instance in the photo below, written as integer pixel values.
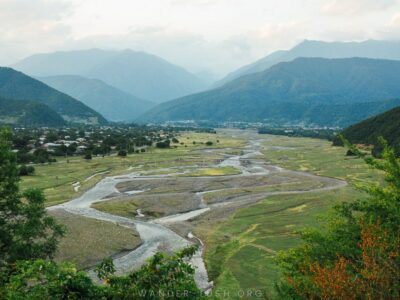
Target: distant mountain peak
(389, 49)
(144, 75)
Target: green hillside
(27, 114)
(368, 131)
(308, 90)
(18, 86)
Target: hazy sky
(201, 35)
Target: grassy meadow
(240, 251)
(57, 179)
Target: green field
(240, 251)
(57, 179)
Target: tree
(356, 253)
(122, 153)
(163, 277)
(26, 170)
(26, 231)
(88, 155)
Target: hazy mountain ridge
(18, 86)
(294, 92)
(367, 49)
(143, 75)
(112, 103)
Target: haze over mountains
(143, 75)
(307, 90)
(315, 83)
(17, 86)
(308, 48)
(114, 104)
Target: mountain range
(15, 85)
(314, 91)
(115, 105)
(367, 49)
(143, 75)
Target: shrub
(122, 153)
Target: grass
(318, 157)
(56, 179)
(240, 251)
(222, 171)
(88, 241)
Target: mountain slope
(111, 102)
(367, 49)
(143, 75)
(28, 113)
(368, 131)
(18, 86)
(293, 92)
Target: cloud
(27, 24)
(352, 7)
(200, 35)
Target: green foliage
(163, 277)
(122, 153)
(341, 234)
(25, 170)
(163, 144)
(368, 132)
(105, 269)
(88, 155)
(26, 231)
(47, 280)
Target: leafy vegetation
(325, 92)
(355, 255)
(367, 132)
(26, 231)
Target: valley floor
(241, 200)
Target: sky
(210, 37)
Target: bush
(122, 153)
(26, 170)
(88, 156)
(209, 143)
(356, 253)
(163, 144)
(142, 150)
